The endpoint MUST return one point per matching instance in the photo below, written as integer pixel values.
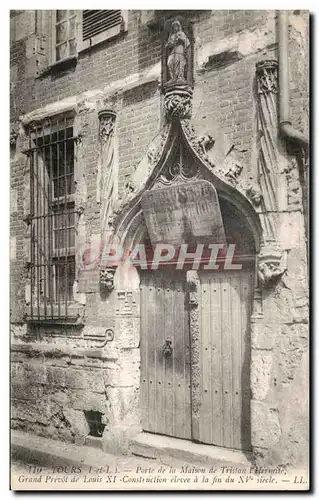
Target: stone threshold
(163, 448)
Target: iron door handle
(167, 348)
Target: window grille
(52, 155)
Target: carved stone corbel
(271, 265)
(107, 278)
(178, 100)
(267, 78)
(254, 194)
(107, 119)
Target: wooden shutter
(95, 22)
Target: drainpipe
(286, 129)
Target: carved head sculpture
(234, 172)
(271, 265)
(176, 26)
(254, 193)
(107, 278)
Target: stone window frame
(73, 315)
(80, 44)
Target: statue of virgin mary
(177, 43)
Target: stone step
(166, 448)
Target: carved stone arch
(150, 171)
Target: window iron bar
(76, 138)
(52, 219)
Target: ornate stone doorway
(194, 324)
(195, 353)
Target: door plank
(246, 287)
(159, 304)
(225, 415)
(236, 339)
(168, 360)
(144, 355)
(226, 362)
(205, 348)
(216, 368)
(167, 402)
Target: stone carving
(268, 271)
(178, 172)
(127, 303)
(192, 282)
(107, 169)
(107, 278)
(178, 101)
(201, 144)
(178, 45)
(155, 153)
(107, 122)
(271, 265)
(268, 154)
(205, 143)
(13, 138)
(254, 194)
(100, 336)
(194, 287)
(267, 78)
(177, 69)
(233, 173)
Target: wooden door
(225, 304)
(165, 354)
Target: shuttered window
(95, 22)
(77, 30)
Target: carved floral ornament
(267, 77)
(107, 122)
(178, 101)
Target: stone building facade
(238, 115)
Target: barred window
(52, 188)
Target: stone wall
(59, 373)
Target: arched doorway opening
(195, 344)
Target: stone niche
(177, 67)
